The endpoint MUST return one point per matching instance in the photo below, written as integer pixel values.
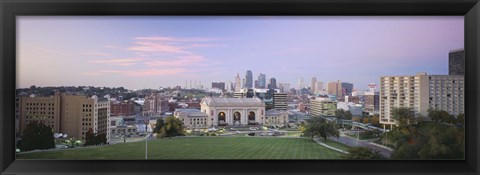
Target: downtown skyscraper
(249, 79)
(262, 81)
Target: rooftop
(237, 102)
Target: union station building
(233, 111)
(242, 112)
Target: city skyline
(152, 52)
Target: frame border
(12, 8)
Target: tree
(170, 127)
(363, 153)
(340, 114)
(94, 139)
(36, 136)
(404, 116)
(320, 127)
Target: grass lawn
(199, 148)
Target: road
(354, 142)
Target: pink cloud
(96, 53)
(182, 61)
(156, 47)
(119, 62)
(157, 38)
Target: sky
(165, 51)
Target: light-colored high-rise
(319, 87)
(403, 91)
(447, 93)
(323, 106)
(73, 115)
(301, 84)
(314, 85)
(238, 83)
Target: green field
(199, 148)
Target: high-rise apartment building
(249, 79)
(403, 91)
(421, 92)
(73, 115)
(124, 108)
(456, 62)
(447, 93)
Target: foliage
(94, 139)
(36, 136)
(404, 116)
(320, 127)
(169, 127)
(436, 139)
(342, 114)
(363, 153)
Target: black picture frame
(9, 9)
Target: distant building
(118, 108)
(314, 85)
(219, 85)
(335, 88)
(372, 101)
(301, 83)
(262, 81)
(318, 87)
(456, 62)
(347, 88)
(154, 105)
(284, 87)
(238, 83)
(323, 107)
(249, 79)
(192, 118)
(280, 101)
(276, 117)
(272, 84)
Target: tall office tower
(238, 83)
(244, 83)
(335, 88)
(456, 62)
(314, 85)
(272, 84)
(447, 93)
(301, 84)
(255, 84)
(403, 91)
(249, 79)
(73, 115)
(319, 87)
(262, 81)
(347, 88)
